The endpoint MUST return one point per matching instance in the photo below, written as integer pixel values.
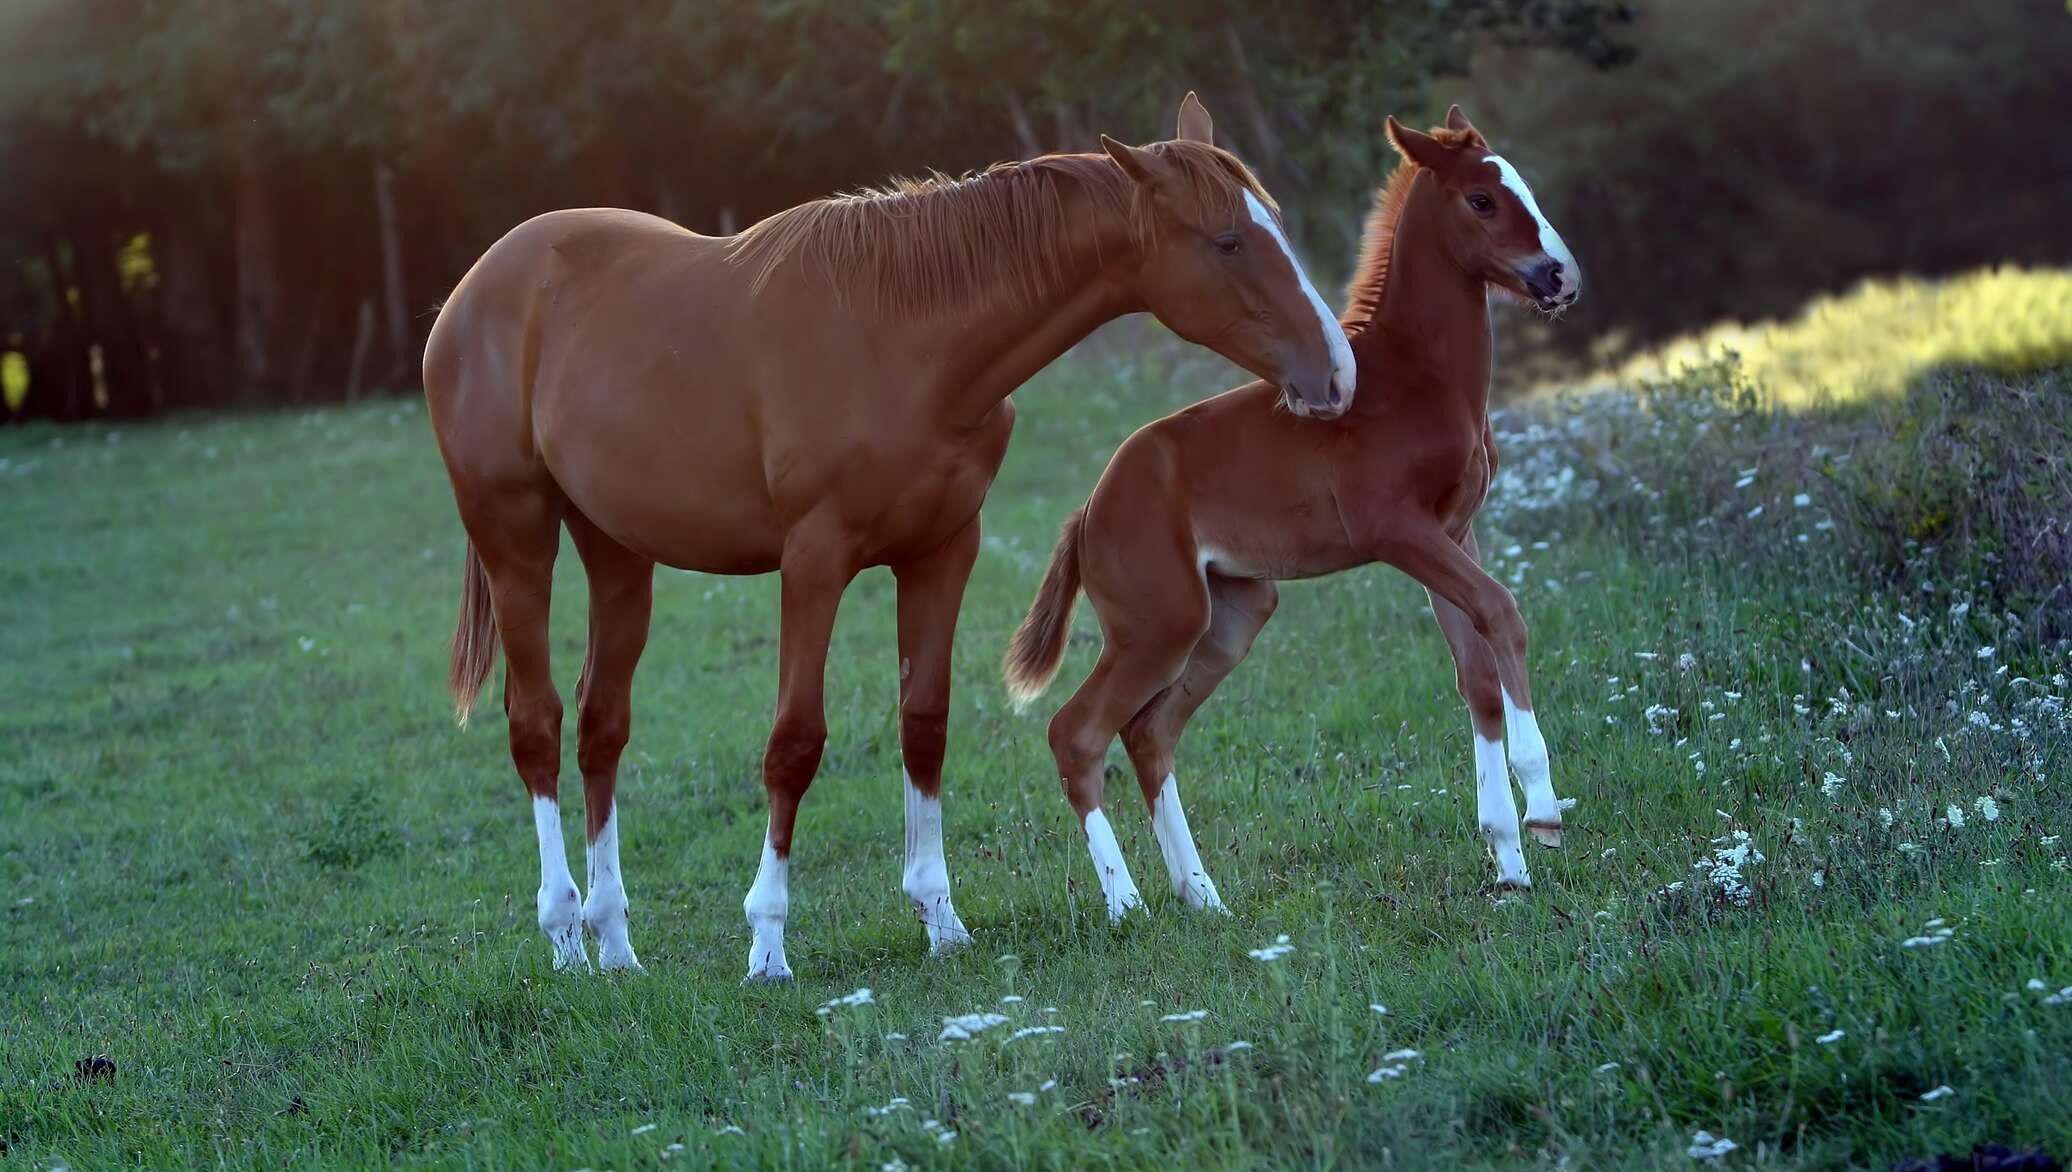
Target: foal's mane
(1378, 242)
(940, 243)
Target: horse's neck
(984, 354)
(1431, 330)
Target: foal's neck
(1429, 341)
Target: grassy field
(1814, 876)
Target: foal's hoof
(1547, 834)
(1510, 883)
(776, 974)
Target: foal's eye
(1481, 203)
(1228, 244)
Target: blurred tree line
(241, 201)
(244, 201)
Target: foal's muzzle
(1552, 284)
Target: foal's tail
(474, 638)
(1038, 645)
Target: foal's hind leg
(621, 598)
(1239, 609)
(1152, 624)
(931, 590)
(517, 537)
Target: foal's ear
(1195, 125)
(1458, 123)
(1418, 147)
(1136, 162)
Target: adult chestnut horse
(825, 392)
(1201, 512)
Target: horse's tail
(474, 638)
(1038, 645)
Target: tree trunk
(402, 346)
(261, 291)
(196, 366)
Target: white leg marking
(927, 878)
(1550, 240)
(604, 912)
(1176, 842)
(1116, 884)
(561, 911)
(1497, 811)
(1535, 776)
(769, 899)
(1344, 372)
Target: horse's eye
(1228, 244)
(1481, 203)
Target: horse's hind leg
(517, 534)
(621, 599)
(931, 590)
(1238, 610)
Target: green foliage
(177, 761)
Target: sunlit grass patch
(1877, 338)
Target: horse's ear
(1418, 147)
(1195, 125)
(1136, 162)
(1458, 123)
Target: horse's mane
(930, 245)
(1378, 242)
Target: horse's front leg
(931, 590)
(815, 570)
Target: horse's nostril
(1334, 395)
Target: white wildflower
(1831, 1037)
(1955, 815)
(965, 1026)
(1032, 1032)
(1941, 1092)
(1802, 501)
(1188, 1015)
(1402, 1056)
(1832, 784)
(1687, 662)
(860, 997)
(1378, 1007)
(1707, 1146)
(1987, 808)
(1274, 951)
(644, 1128)
(1022, 1098)
(1387, 1072)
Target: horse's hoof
(1509, 883)
(1547, 834)
(774, 975)
(950, 940)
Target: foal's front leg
(1488, 615)
(931, 590)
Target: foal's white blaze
(769, 899)
(1176, 842)
(1550, 240)
(561, 911)
(1344, 373)
(1497, 811)
(1529, 761)
(1116, 884)
(927, 877)
(604, 912)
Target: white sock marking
(1529, 760)
(1497, 811)
(769, 900)
(604, 912)
(1344, 372)
(1550, 240)
(927, 877)
(1116, 884)
(561, 912)
(1176, 842)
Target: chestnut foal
(825, 392)
(1201, 512)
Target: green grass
(244, 853)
